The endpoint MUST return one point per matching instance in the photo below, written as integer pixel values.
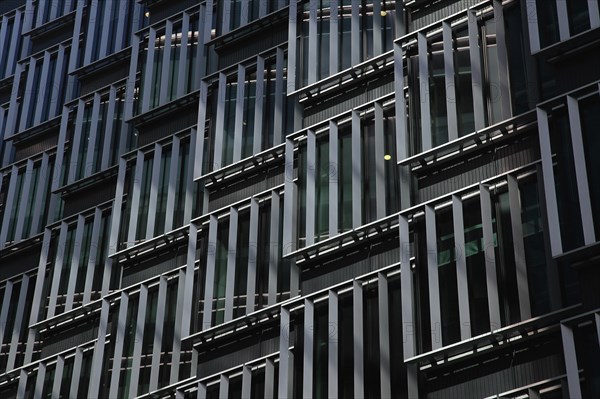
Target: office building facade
(313, 198)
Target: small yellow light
(147, 14)
(387, 157)
(383, 13)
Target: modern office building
(306, 198)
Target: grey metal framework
(307, 198)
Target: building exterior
(313, 198)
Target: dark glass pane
(565, 180)
(505, 261)
(547, 22)
(320, 353)
(579, 16)
(476, 276)
(590, 120)
(447, 278)
(535, 251)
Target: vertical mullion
(258, 104)
(252, 256)
(41, 95)
(57, 269)
(14, 41)
(201, 394)
(433, 277)
(189, 279)
(120, 35)
(231, 266)
(334, 39)
(176, 353)
(220, 122)
(426, 139)
(357, 324)
(194, 152)
(476, 71)
(563, 19)
(118, 350)
(490, 258)
(5, 308)
(128, 100)
(311, 166)
(355, 52)
(502, 60)
(210, 272)
(74, 145)
(333, 174)
(239, 113)
(332, 345)
(549, 186)
(149, 71)
(108, 128)
(75, 259)
(11, 120)
(105, 31)
(58, 374)
(53, 10)
(223, 387)
(244, 17)
(570, 355)
(183, 55)
(39, 381)
(3, 49)
(154, 191)
(170, 207)
(44, 177)
(166, 64)
(98, 355)
(278, 128)
(24, 197)
(40, 9)
(380, 182)
(115, 224)
(56, 180)
(384, 336)
(226, 22)
(158, 333)
(307, 364)
(37, 293)
(19, 316)
(135, 198)
(519, 247)
(461, 268)
(78, 360)
(292, 46)
(269, 379)
(406, 282)
(449, 73)
(91, 38)
(8, 205)
(594, 12)
(583, 191)
(284, 385)
(273, 248)
(357, 191)
(74, 55)
(26, 104)
(377, 29)
(91, 266)
(199, 161)
(58, 80)
(289, 199)
(139, 338)
(313, 51)
(401, 126)
(88, 166)
(246, 382)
